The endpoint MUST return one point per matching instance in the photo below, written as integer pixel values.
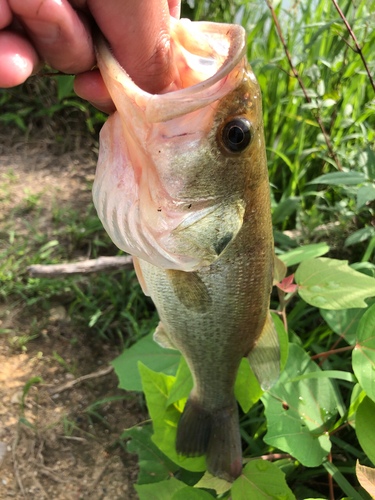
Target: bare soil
(49, 447)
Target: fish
(182, 185)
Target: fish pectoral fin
(161, 337)
(141, 279)
(190, 290)
(279, 270)
(264, 358)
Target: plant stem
(332, 348)
(359, 50)
(330, 480)
(296, 74)
(333, 351)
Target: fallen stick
(102, 264)
(72, 383)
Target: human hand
(59, 32)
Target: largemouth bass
(182, 185)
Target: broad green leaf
(297, 424)
(300, 254)
(247, 388)
(157, 387)
(332, 284)
(364, 353)
(153, 464)
(149, 353)
(344, 322)
(366, 478)
(211, 482)
(163, 491)
(183, 384)
(261, 480)
(340, 178)
(365, 193)
(361, 235)
(189, 493)
(365, 428)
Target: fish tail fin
(193, 431)
(215, 433)
(224, 452)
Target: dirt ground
(50, 449)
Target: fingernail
(46, 32)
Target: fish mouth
(208, 51)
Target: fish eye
(237, 134)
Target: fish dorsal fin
(161, 337)
(190, 290)
(264, 358)
(279, 270)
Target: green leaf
(361, 235)
(211, 482)
(64, 85)
(344, 322)
(297, 424)
(340, 178)
(261, 480)
(163, 491)
(365, 193)
(149, 353)
(154, 465)
(157, 388)
(364, 353)
(247, 389)
(190, 493)
(183, 384)
(306, 252)
(364, 427)
(332, 284)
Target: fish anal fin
(161, 337)
(279, 270)
(141, 279)
(190, 290)
(264, 358)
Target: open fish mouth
(210, 51)
(138, 192)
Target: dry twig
(16, 469)
(78, 380)
(296, 74)
(102, 264)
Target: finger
(138, 32)
(18, 59)
(90, 86)
(61, 36)
(5, 14)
